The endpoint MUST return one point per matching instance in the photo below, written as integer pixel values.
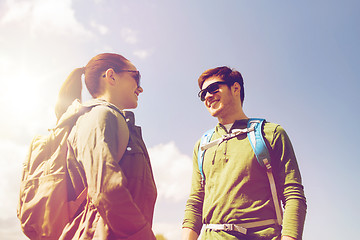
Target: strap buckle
(228, 227)
(202, 183)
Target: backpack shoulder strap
(257, 142)
(204, 139)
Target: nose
(139, 90)
(208, 95)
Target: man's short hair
(226, 74)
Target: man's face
(221, 102)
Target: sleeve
(104, 138)
(290, 185)
(194, 205)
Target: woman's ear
(110, 76)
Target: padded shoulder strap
(76, 109)
(204, 139)
(263, 157)
(257, 140)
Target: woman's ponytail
(69, 91)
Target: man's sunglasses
(136, 76)
(212, 88)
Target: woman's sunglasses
(136, 75)
(212, 88)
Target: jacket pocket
(133, 162)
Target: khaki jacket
(121, 190)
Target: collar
(238, 124)
(129, 117)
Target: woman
(107, 155)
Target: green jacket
(237, 188)
(121, 192)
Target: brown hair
(225, 73)
(71, 88)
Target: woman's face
(127, 87)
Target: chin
(214, 113)
(132, 106)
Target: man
(236, 202)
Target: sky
(299, 60)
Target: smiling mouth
(212, 103)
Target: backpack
(44, 208)
(255, 136)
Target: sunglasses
(212, 88)
(136, 75)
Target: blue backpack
(255, 136)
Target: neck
(108, 98)
(232, 117)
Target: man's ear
(236, 88)
(110, 76)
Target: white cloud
(11, 161)
(129, 35)
(142, 54)
(44, 17)
(5, 64)
(168, 230)
(56, 15)
(172, 171)
(17, 11)
(100, 28)
(12, 157)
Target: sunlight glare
(23, 97)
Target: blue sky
(299, 61)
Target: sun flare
(23, 97)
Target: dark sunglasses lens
(212, 88)
(202, 95)
(138, 76)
